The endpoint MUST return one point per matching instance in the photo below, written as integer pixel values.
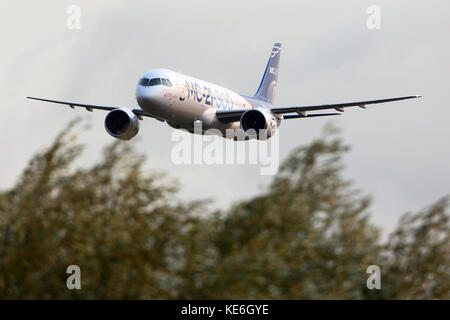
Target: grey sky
(400, 152)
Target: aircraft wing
(90, 107)
(339, 106)
(234, 115)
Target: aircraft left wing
(234, 115)
(339, 106)
(90, 107)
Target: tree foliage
(307, 237)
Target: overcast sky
(400, 152)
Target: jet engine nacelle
(122, 123)
(259, 123)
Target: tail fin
(266, 90)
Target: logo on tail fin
(275, 51)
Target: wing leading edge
(234, 115)
(91, 107)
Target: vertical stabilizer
(266, 90)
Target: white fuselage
(189, 99)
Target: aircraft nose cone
(149, 93)
(141, 92)
(150, 99)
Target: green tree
(116, 222)
(307, 237)
(417, 255)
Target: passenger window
(155, 82)
(144, 82)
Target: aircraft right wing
(90, 107)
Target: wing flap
(297, 116)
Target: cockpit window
(166, 82)
(155, 82)
(144, 82)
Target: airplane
(182, 101)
